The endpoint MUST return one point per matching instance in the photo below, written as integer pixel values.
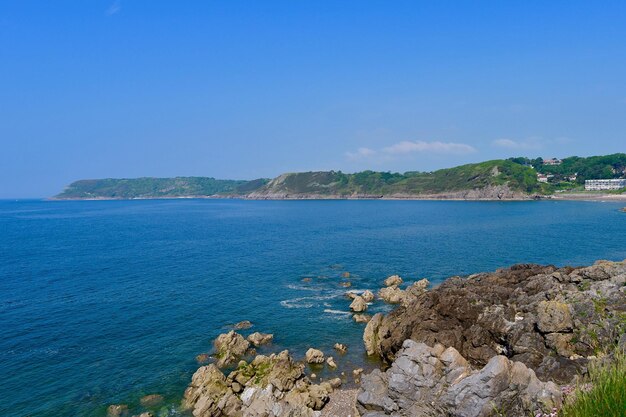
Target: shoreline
(311, 197)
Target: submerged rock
(258, 339)
(435, 381)
(203, 358)
(230, 347)
(117, 410)
(242, 325)
(151, 400)
(314, 356)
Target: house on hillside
(553, 161)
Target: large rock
(258, 339)
(315, 356)
(392, 294)
(358, 305)
(549, 319)
(393, 280)
(435, 381)
(229, 347)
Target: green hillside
(155, 187)
(519, 175)
(466, 177)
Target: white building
(595, 185)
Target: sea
(103, 302)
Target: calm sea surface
(103, 302)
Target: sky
(247, 89)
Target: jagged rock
(242, 325)
(340, 347)
(258, 339)
(538, 315)
(230, 347)
(391, 295)
(368, 296)
(272, 385)
(393, 280)
(370, 335)
(358, 305)
(362, 318)
(330, 361)
(314, 356)
(117, 410)
(435, 381)
(151, 400)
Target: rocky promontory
(495, 341)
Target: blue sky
(247, 89)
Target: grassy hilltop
(518, 175)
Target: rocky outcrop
(258, 339)
(272, 385)
(340, 347)
(391, 295)
(358, 305)
(547, 318)
(435, 381)
(229, 347)
(393, 280)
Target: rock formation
(431, 382)
(272, 385)
(358, 305)
(229, 347)
(549, 319)
(314, 356)
(258, 339)
(393, 280)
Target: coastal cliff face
(476, 345)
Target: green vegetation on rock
(604, 394)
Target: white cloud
(114, 8)
(528, 144)
(420, 146)
(360, 153)
(406, 147)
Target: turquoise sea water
(106, 301)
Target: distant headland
(503, 179)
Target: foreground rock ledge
(425, 381)
(553, 320)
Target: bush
(605, 393)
